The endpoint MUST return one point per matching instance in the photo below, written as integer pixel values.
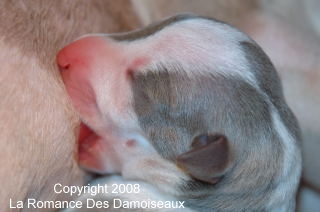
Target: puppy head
(191, 105)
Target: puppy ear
(208, 159)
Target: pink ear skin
(208, 159)
(89, 145)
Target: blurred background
(289, 32)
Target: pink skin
(87, 65)
(76, 62)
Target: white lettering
(181, 204)
(117, 203)
(55, 190)
(31, 202)
(91, 203)
(18, 205)
(78, 190)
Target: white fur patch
(196, 46)
(290, 175)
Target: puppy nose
(81, 53)
(62, 60)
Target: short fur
(202, 77)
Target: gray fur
(270, 83)
(154, 28)
(172, 109)
(151, 29)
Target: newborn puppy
(190, 106)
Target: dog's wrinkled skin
(191, 106)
